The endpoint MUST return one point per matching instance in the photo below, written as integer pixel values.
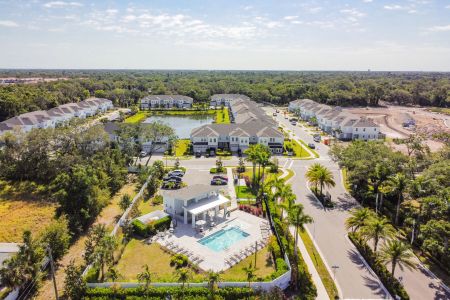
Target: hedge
(390, 282)
(227, 293)
(151, 228)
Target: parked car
(277, 111)
(294, 123)
(317, 138)
(311, 145)
(274, 114)
(143, 154)
(198, 154)
(172, 178)
(220, 177)
(177, 173)
(218, 181)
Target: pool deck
(186, 237)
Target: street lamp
(335, 267)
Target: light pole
(335, 268)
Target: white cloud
(448, 6)
(8, 23)
(290, 18)
(56, 4)
(367, 1)
(440, 28)
(314, 10)
(353, 12)
(411, 9)
(394, 7)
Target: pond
(183, 125)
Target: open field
(21, 210)
(222, 116)
(298, 149)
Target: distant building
(166, 101)
(56, 116)
(333, 120)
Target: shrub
(390, 282)
(157, 200)
(140, 228)
(92, 274)
(179, 261)
(145, 230)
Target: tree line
(412, 190)
(126, 88)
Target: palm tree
(213, 278)
(145, 276)
(311, 174)
(263, 160)
(358, 218)
(325, 177)
(397, 253)
(397, 185)
(379, 176)
(250, 272)
(183, 276)
(252, 156)
(298, 219)
(113, 274)
(287, 204)
(377, 228)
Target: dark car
(176, 173)
(220, 177)
(172, 178)
(218, 181)
(198, 154)
(311, 145)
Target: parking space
(197, 176)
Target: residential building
(335, 121)
(249, 125)
(56, 116)
(166, 101)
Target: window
(364, 129)
(374, 129)
(356, 129)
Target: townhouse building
(249, 125)
(166, 101)
(333, 120)
(55, 116)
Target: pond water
(182, 125)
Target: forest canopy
(127, 87)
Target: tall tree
(298, 219)
(398, 185)
(376, 229)
(359, 217)
(397, 253)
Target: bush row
(390, 282)
(227, 293)
(151, 228)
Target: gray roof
(167, 97)
(366, 122)
(229, 97)
(111, 128)
(190, 192)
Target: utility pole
(52, 270)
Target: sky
(391, 35)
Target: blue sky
(226, 34)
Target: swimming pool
(223, 238)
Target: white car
(178, 173)
(143, 154)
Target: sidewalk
(231, 190)
(321, 291)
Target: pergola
(203, 206)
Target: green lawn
(289, 175)
(312, 150)
(299, 150)
(222, 116)
(137, 118)
(345, 179)
(182, 149)
(244, 192)
(320, 266)
(264, 267)
(146, 207)
(137, 254)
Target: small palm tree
(213, 278)
(358, 218)
(298, 219)
(397, 253)
(377, 228)
(183, 276)
(397, 184)
(287, 204)
(250, 272)
(252, 157)
(145, 276)
(311, 174)
(113, 274)
(325, 178)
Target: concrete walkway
(231, 190)
(321, 291)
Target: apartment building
(249, 125)
(55, 116)
(166, 101)
(335, 121)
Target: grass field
(320, 266)
(182, 148)
(137, 254)
(264, 267)
(345, 180)
(146, 207)
(137, 118)
(22, 210)
(316, 155)
(244, 192)
(222, 116)
(441, 110)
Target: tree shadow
(314, 201)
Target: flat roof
(206, 204)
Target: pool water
(223, 239)
(182, 125)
